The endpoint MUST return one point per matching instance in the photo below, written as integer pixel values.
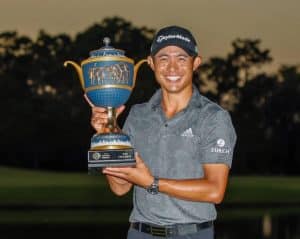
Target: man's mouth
(173, 78)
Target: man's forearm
(210, 188)
(200, 190)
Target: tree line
(45, 122)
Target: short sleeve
(218, 139)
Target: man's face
(173, 68)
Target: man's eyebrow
(183, 54)
(161, 55)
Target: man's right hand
(100, 117)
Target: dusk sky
(215, 23)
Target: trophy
(107, 78)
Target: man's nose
(172, 65)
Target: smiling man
(185, 145)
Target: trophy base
(97, 159)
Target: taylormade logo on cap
(167, 37)
(174, 36)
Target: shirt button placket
(164, 152)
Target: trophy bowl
(108, 77)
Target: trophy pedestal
(98, 159)
(110, 155)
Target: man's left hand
(139, 175)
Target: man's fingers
(123, 170)
(137, 157)
(102, 112)
(99, 110)
(120, 110)
(99, 120)
(99, 115)
(117, 172)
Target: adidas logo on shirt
(188, 133)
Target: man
(184, 142)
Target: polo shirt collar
(195, 101)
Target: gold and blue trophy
(108, 78)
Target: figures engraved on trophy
(117, 73)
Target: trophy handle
(79, 71)
(136, 68)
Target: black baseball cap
(174, 36)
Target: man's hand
(139, 175)
(117, 180)
(100, 117)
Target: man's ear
(197, 62)
(150, 62)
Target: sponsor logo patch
(220, 148)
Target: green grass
(30, 196)
(266, 190)
(42, 188)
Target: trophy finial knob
(106, 41)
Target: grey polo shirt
(177, 148)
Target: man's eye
(163, 59)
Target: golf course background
(68, 198)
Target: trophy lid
(107, 50)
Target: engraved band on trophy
(108, 78)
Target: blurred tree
(254, 154)
(15, 59)
(222, 78)
(283, 126)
